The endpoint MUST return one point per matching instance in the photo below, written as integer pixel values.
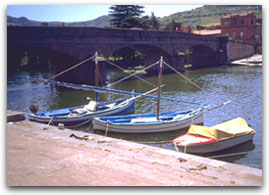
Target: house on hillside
(186, 29)
(239, 26)
(213, 29)
(207, 32)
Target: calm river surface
(241, 85)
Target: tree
(121, 12)
(154, 21)
(145, 23)
(173, 25)
(130, 22)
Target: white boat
(148, 123)
(83, 115)
(201, 139)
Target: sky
(75, 13)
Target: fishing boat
(201, 139)
(83, 115)
(150, 123)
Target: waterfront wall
(239, 50)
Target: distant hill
(101, 21)
(207, 14)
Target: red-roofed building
(213, 29)
(240, 26)
(207, 32)
(186, 29)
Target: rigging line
(129, 73)
(101, 89)
(101, 80)
(180, 74)
(118, 81)
(60, 73)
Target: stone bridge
(73, 44)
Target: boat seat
(91, 106)
(144, 120)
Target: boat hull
(86, 119)
(152, 127)
(215, 146)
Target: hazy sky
(73, 13)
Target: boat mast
(96, 75)
(159, 87)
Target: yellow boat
(201, 139)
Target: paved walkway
(38, 157)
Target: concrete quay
(41, 155)
(255, 60)
(15, 116)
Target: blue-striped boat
(148, 123)
(83, 115)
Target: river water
(239, 84)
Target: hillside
(209, 14)
(101, 21)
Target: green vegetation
(173, 25)
(209, 14)
(128, 16)
(125, 15)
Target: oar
(222, 104)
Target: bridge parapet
(82, 42)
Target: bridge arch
(200, 56)
(82, 42)
(46, 58)
(151, 53)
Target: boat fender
(61, 126)
(33, 109)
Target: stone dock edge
(41, 155)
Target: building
(207, 32)
(213, 29)
(259, 30)
(240, 26)
(186, 29)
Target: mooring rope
(130, 75)
(45, 128)
(71, 68)
(204, 90)
(180, 74)
(79, 124)
(107, 124)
